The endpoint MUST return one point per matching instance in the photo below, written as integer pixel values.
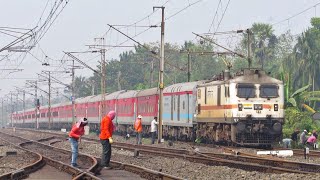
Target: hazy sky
(83, 20)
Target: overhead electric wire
(157, 23)
(297, 14)
(224, 12)
(182, 9)
(214, 17)
(8, 34)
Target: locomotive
(245, 109)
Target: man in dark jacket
(294, 135)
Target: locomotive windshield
(246, 91)
(269, 91)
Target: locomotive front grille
(256, 138)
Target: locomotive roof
(188, 86)
(128, 94)
(114, 95)
(256, 77)
(148, 92)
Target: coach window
(183, 105)
(246, 91)
(55, 114)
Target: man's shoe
(107, 167)
(74, 165)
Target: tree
(263, 44)
(82, 87)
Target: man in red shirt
(76, 132)
(106, 130)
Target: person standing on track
(74, 136)
(154, 123)
(106, 130)
(138, 129)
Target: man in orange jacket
(76, 132)
(106, 130)
(138, 129)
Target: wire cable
(295, 15)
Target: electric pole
(11, 109)
(36, 104)
(73, 98)
(249, 48)
(2, 113)
(189, 74)
(118, 80)
(103, 79)
(49, 103)
(161, 84)
(17, 106)
(24, 104)
(151, 73)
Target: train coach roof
(148, 92)
(65, 103)
(128, 94)
(84, 99)
(114, 95)
(188, 86)
(96, 98)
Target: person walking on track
(74, 136)
(106, 130)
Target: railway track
(53, 156)
(88, 173)
(24, 171)
(245, 162)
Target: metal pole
(11, 109)
(2, 113)
(49, 103)
(24, 104)
(17, 105)
(73, 98)
(189, 75)
(161, 84)
(151, 74)
(103, 80)
(36, 104)
(249, 48)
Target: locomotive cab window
(246, 91)
(269, 91)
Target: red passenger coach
(147, 105)
(93, 110)
(126, 109)
(112, 100)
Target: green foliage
(297, 119)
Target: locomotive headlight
(277, 127)
(276, 107)
(240, 106)
(241, 127)
(257, 106)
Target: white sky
(83, 20)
